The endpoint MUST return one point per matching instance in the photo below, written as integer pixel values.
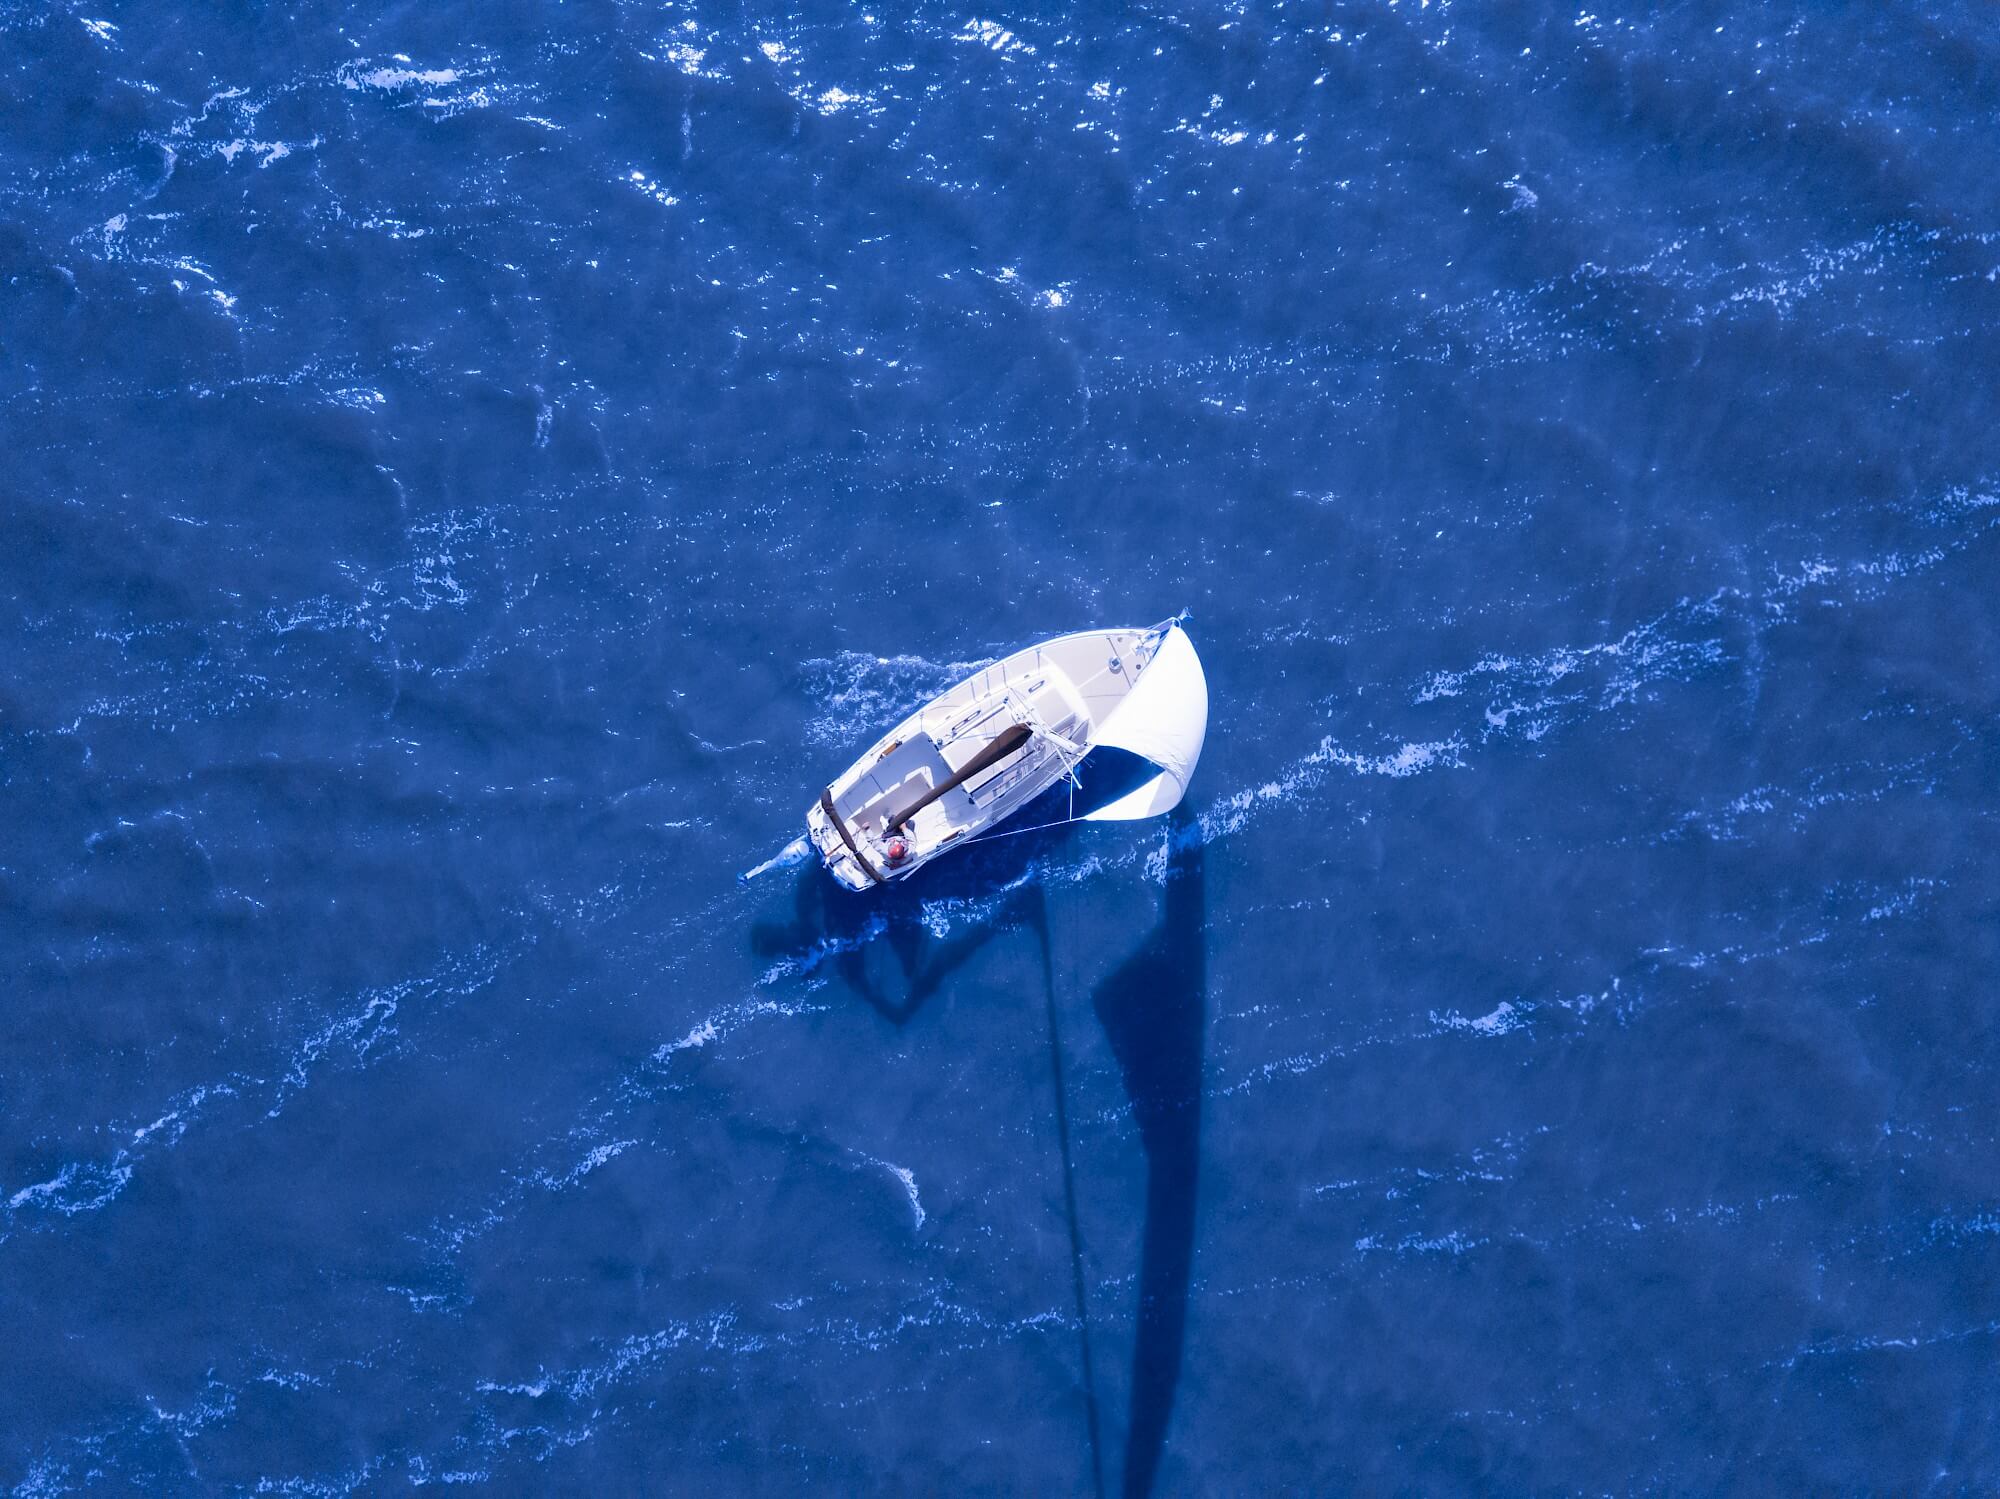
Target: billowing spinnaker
(1163, 719)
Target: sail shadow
(1154, 1012)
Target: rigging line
(1016, 832)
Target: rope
(1037, 828)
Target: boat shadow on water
(1153, 1011)
(836, 930)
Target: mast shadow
(1153, 1008)
(832, 925)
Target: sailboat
(971, 758)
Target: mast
(1002, 745)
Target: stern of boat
(833, 853)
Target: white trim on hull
(972, 757)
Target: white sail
(1163, 719)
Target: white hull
(1022, 724)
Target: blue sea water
(473, 472)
